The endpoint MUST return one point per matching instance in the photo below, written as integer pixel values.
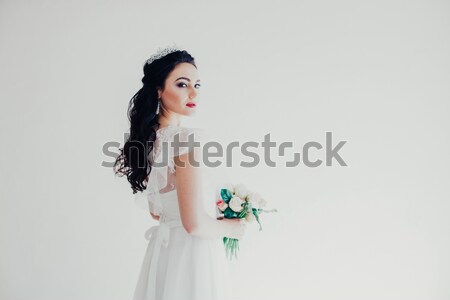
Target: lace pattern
(162, 178)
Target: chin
(192, 112)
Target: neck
(172, 120)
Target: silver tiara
(161, 53)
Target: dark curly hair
(133, 158)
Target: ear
(159, 90)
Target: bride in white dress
(185, 257)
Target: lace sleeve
(170, 142)
(184, 141)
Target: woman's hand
(238, 227)
(156, 217)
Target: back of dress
(176, 265)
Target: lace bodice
(164, 152)
(162, 178)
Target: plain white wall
(375, 73)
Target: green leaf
(226, 195)
(243, 213)
(255, 213)
(229, 213)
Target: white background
(375, 73)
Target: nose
(192, 94)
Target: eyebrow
(186, 79)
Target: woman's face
(181, 90)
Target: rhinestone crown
(161, 53)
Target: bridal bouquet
(239, 202)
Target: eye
(181, 84)
(198, 85)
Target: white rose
(250, 217)
(255, 200)
(235, 204)
(241, 191)
(229, 187)
(262, 203)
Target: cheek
(174, 98)
(175, 94)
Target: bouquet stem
(231, 247)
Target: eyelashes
(182, 84)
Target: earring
(157, 107)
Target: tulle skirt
(184, 268)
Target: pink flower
(221, 205)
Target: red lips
(191, 104)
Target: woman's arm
(193, 215)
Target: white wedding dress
(177, 265)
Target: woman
(185, 256)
